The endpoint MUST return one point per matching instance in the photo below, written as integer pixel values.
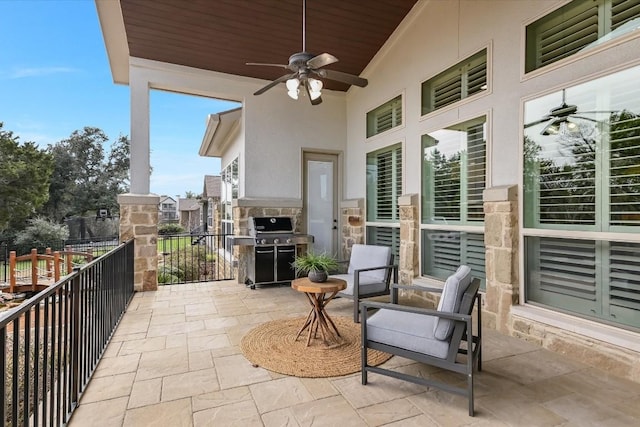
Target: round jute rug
(273, 346)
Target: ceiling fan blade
(268, 65)
(321, 60)
(339, 76)
(316, 101)
(537, 122)
(274, 83)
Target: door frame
(309, 154)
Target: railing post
(34, 269)
(48, 262)
(75, 338)
(12, 271)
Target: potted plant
(316, 266)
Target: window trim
(393, 129)
(604, 46)
(460, 58)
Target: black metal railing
(194, 257)
(52, 343)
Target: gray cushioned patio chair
(368, 275)
(433, 337)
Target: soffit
(223, 35)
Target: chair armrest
(416, 288)
(365, 305)
(396, 286)
(386, 267)
(356, 277)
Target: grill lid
(274, 224)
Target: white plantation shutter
(624, 170)
(624, 282)
(384, 184)
(573, 27)
(385, 236)
(476, 172)
(456, 83)
(623, 11)
(385, 117)
(444, 251)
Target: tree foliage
(41, 234)
(85, 178)
(24, 179)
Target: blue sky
(55, 78)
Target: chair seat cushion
(367, 285)
(406, 330)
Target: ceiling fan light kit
(307, 71)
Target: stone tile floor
(175, 361)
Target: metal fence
(195, 257)
(96, 247)
(52, 343)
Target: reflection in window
(584, 179)
(454, 169)
(229, 192)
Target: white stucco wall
(437, 35)
(277, 129)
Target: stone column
(139, 220)
(409, 238)
(501, 243)
(352, 212)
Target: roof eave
(115, 39)
(219, 129)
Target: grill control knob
(289, 240)
(263, 241)
(276, 240)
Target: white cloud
(19, 73)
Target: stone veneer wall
(503, 312)
(353, 228)
(245, 208)
(139, 220)
(409, 239)
(501, 244)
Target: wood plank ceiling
(223, 35)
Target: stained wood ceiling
(223, 35)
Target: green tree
(24, 179)
(85, 178)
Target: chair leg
(363, 351)
(356, 311)
(470, 393)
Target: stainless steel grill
(275, 246)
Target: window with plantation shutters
(384, 183)
(443, 251)
(584, 182)
(576, 26)
(385, 236)
(385, 117)
(461, 81)
(454, 173)
(453, 179)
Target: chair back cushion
(454, 288)
(366, 256)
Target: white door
(321, 200)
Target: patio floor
(175, 361)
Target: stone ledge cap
(138, 199)
(352, 203)
(408, 199)
(501, 193)
(249, 202)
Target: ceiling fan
(558, 117)
(308, 70)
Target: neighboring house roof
(164, 199)
(260, 31)
(188, 204)
(212, 186)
